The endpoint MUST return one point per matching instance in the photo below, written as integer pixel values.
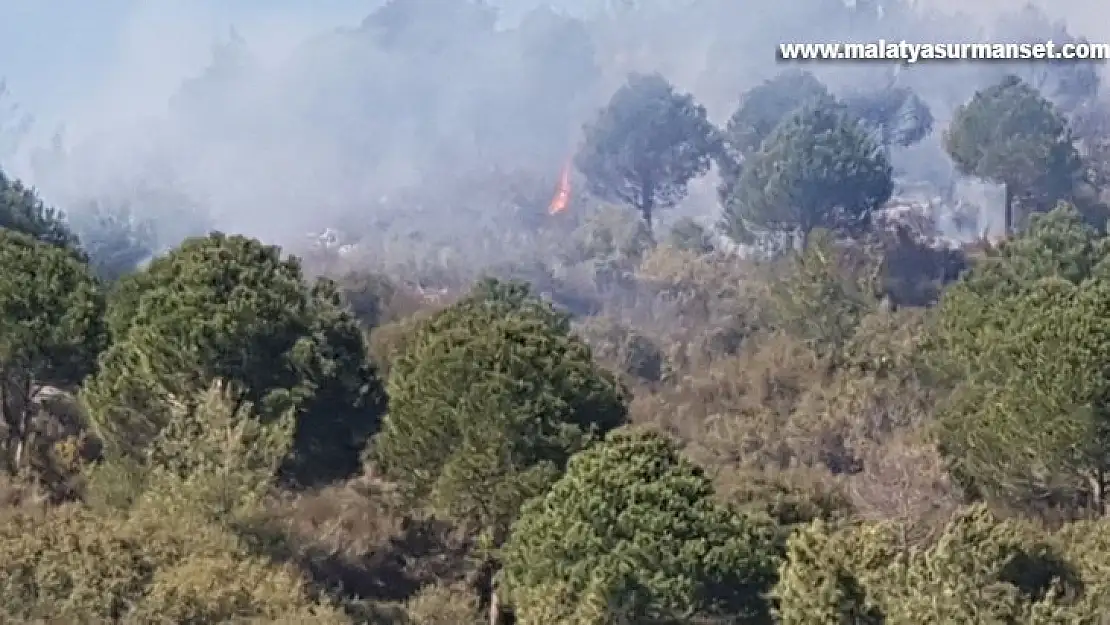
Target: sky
(58, 55)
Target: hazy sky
(57, 54)
(63, 57)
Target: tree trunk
(23, 413)
(500, 614)
(1009, 210)
(647, 207)
(9, 422)
(494, 609)
(1097, 482)
(17, 458)
(647, 200)
(15, 402)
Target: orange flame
(562, 193)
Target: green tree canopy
(818, 169)
(487, 401)
(979, 569)
(1022, 339)
(230, 307)
(632, 534)
(174, 552)
(51, 316)
(1011, 135)
(22, 210)
(823, 293)
(646, 145)
(819, 580)
(761, 110)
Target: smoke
(276, 118)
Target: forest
(818, 408)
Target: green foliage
(229, 307)
(842, 394)
(817, 582)
(646, 145)
(826, 291)
(818, 169)
(632, 534)
(761, 110)
(21, 210)
(1085, 548)
(978, 570)
(970, 566)
(76, 567)
(438, 605)
(173, 554)
(488, 399)
(787, 498)
(1024, 341)
(763, 107)
(214, 458)
(1011, 135)
(50, 329)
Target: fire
(562, 193)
